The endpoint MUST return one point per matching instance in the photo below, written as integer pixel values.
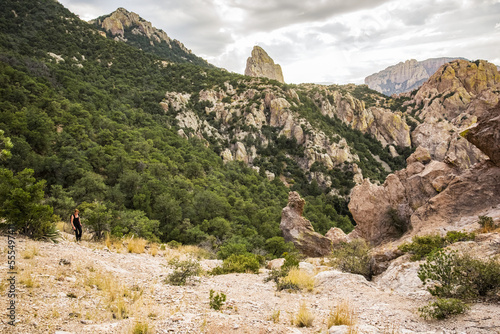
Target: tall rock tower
(262, 66)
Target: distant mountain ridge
(405, 76)
(130, 28)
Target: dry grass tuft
(304, 318)
(343, 314)
(30, 252)
(300, 278)
(275, 316)
(141, 328)
(153, 249)
(136, 245)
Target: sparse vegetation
(423, 246)
(238, 264)
(352, 257)
(275, 316)
(455, 275)
(443, 308)
(217, 300)
(304, 317)
(136, 245)
(141, 328)
(487, 224)
(182, 271)
(296, 279)
(342, 314)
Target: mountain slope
(130, 28)
(85, 113)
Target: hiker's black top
(76, 220)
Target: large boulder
(299, 230)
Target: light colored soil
(73, 298)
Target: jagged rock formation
(130, 28)
(383, 212)
(405, 76)
(262, 66)
(448, 103)
(299, 230)
(430, 195)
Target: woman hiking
(77, 225)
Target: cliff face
(262, 66)
(405, 76)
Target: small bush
(454, 275)
(174, 244)
(443, 308)
(238, 264)
(183, 270)
(422, 246)
(352, 257)
(487, 224)
(304, 318)
(217, 300)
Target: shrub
(352, 257)
(217, 300)
(457, 236)
(238, 264)
(183, 270)
(443, 308)
(422, 246)
(454, 275)
(487, 224)
(174, 244)
(304, 318)
(229, 249)
(22, 205)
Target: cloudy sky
(334, 41)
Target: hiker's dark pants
(78, 232)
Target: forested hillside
(84, 113)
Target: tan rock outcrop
(299, 230)
(448, 103)
(486, 134)
(431, 195)
(261, 65)
(383, 212)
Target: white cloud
(320, 40)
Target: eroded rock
(300, 231)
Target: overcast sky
(334, 41)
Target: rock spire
(262, 66)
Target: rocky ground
(97, 290)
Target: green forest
(83, 127)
